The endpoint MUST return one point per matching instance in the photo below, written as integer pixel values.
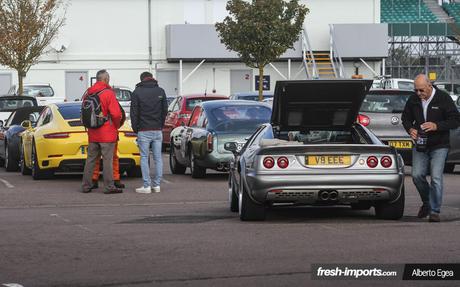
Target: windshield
(409, 86)
(12, 104)
(239, 118)
(254, 97)
(191, 103)
(38, 91)
(384, 103)
(70, 112)
(123, 95)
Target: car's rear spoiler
(326, 148)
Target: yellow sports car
(58, 142)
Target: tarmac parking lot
(53, 235)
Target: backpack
(91, 111)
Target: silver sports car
(313, 152)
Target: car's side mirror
(26, 124)
(1, 124)
(231, 146)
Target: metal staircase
(321, 64)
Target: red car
(180, 109)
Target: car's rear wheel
(196, 170)
(37, 172)
(11, 163)
(232, 194)
(134, 172)
(22, 163)
(391, 210)
(248, 210)
(449, 167)
(174, 165)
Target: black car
(10, 135)
(9, 103)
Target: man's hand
(429, 127)
(413, 134)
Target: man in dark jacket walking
(430, 113)
(102, 140)
(148, 113)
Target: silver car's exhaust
(324, 195)
(333, 195)
(328, 195)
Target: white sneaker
(144, 190)
(156, 189)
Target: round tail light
(269, 162)
(364, 120)
(386, 161)
(282, 162)
(372, 161)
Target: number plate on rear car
(328, 160)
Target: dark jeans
(95, 151)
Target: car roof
(191, 96)
(390, 91)
(13, 97)
(265, 93)
(68, 104)
(122, 88)
(220, 103)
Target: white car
(123, 95)
(44, 93)
(400, 84)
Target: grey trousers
(95, 151)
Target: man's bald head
(423, 87)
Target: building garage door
(5, 83)
(76, 83)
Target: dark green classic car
(200, 144)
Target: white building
(126, 37)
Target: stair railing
(307, 52)
(336, 60)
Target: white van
(44, 93)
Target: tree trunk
(21, 76)
(261, 82)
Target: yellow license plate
(328, 160)
(400, 144)
(84, 149)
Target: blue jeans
(432, 163)
(150, 141)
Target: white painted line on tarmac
(7, 184)
(166, 181)
(12, 285)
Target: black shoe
(424, 211)
(86, 190)
(113, 191)
(118, 184)
(95, 185)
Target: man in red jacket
(102, 140)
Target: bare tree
(27, 28)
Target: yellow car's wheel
(22, 163)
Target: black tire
(361, 206)
(134, 172)
(232, 195)
(174, 165)
(11, 163)
(22, 163)
(196, 170)
(449, 167)
(248, 210)
(391, 210)
(38, 173)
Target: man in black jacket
(148, 113)
(431, 113)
